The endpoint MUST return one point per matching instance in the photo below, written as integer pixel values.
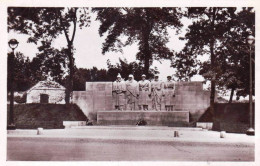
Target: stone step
(152, 118)
(127, 127)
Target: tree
(185, 64)
(145, 26)
(50, 62)
(28, 72)
(47, 24)
(236, 51)
(21, 72)
(204, 38)
(83, 75)
(233, 58)
(125, 68)
(219, 33)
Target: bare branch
(63, 27)
(75, 25)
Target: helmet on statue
(119, 76)
(130, 76)
(156, 75)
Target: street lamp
(250, 131)
(13, 44)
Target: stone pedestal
(153, 118)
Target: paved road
(90, 149)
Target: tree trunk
(146, 64)
(213, 80)
(147, 52)
(69, 88)
(231, 95)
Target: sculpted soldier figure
(169, 87)
(131, 92)
(144, 92)
(118, 91)
(157, 92)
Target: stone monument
(158, 103)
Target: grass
(233, 118)
(49, 116)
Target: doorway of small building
(44, 98)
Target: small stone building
(46, 92)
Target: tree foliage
(145, 26)
(83, 75)
(28, 72)
(219, 33)
(21, 72)
(236, 51)
(186, 65)
(50, 62)
(47, 24)
(215, 33)
(125, 68)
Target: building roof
(47, 85)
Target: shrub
(141, 122)
(20, 99)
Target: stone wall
(55, 96)
(96, 97)
(190, 97)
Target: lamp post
(250, 131)
(13, 44)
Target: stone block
(99, 87)
(205, 125)
(176, 134)
(89, 86)
(222, 134)
(99, 99)
(69, 124)
(158, 118)
(39, 131)
(84, 99)
(108, 102)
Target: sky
(88, 46)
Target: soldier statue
(157, 93)
(169, 88)
(144, 93)
(118, 91)
(131, 93)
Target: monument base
(152, 118)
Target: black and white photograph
(129, 83)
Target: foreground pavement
(97, 143)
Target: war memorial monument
(156, 102)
